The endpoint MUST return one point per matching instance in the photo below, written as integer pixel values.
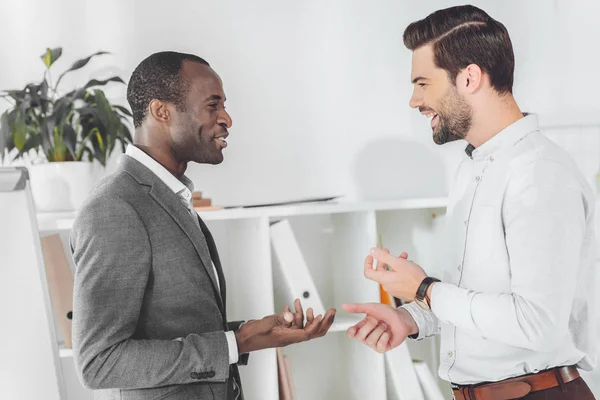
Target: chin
(217, 159)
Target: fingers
(369, 263)
(285, 318)
(383, 344)
(326, 322)
(351, 332)
(370, 273)
(319, 326)
(359, 308)
(310, 316)
(372, 333)
(299, 314)
(380, 255)
(312, 329)
(380, 266)
(373, 338)
(366, 329)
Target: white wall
(318, 90)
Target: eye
(422, 84)
(213, 105)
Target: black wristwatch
(421, 298)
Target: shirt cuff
(425, 320)
(233, 349)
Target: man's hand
(398, 276)
(384, 328)
(282, 329)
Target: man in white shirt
(150, 314)
(515, 305)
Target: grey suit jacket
(148, 318)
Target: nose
(415, 100)
(224, 119)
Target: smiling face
(438, 99)
(199, 130)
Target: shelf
(343, 322)
(55, 221)
(64, 220)
(329, 207)
(65, 353)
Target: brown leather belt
(514, 388)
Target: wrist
(428, 295)
(423, 296)
(240, 339)
(408, 321)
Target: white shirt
(184, 191)
(517, 293)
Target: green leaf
(79, 64)
(50, 56)
(96, 82)
(80, 94)
(105, 112)
(100, 141)
(19, 133)
(87, 151)
(46, 128)
(60, 149)
(70, 139)
(44, 89)
(33, 142)
(83, 145)
(4, 134)
(62, 109)
(123, 110)
(16, 95)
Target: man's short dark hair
(158, 77)
(465, 35)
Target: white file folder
(402, 375)
(294, 270)
(428, 381)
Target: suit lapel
(214, 255)
(170, 202)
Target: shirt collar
(182, 187)
(507, 137)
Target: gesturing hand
(384, 327)
(397, 275)
(279, 330)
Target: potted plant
(73, 134)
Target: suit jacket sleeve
(112, 254)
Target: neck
(498, 114)
(156, 146)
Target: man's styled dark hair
(465, 35)
(158, 77)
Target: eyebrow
(419, 78)
(214, 97)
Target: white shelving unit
(334, 238)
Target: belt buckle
(453, 387)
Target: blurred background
(318, 90)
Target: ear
(470, 79)
(159, 111)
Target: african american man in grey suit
(150, 299)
